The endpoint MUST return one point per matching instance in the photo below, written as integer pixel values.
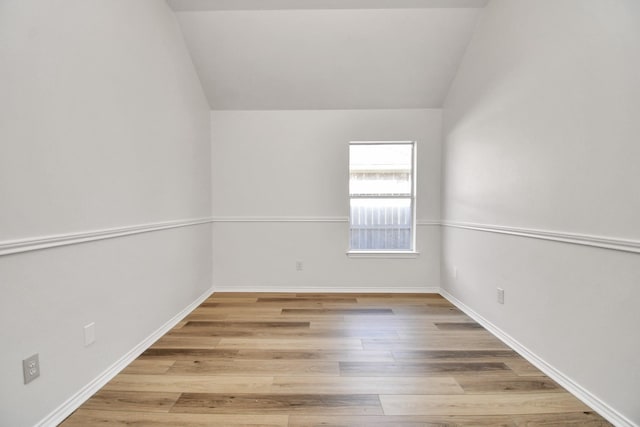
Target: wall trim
(613, 416)
(75, 401)
(425, 222)
(9, 247)
(329, 289)
(280, 219)
(428, 222)
(383, 254)
(603, 242)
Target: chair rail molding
(10, 247)
(604, 242)
(280, 219)
(420, 222)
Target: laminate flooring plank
(206, 316)
(524, 368)
(249, 325)
(289, 332)
(341, 404)
(458, 326)
(434, 343)
(240, 315)
(573, 419)
(255, 367)
(187, 353)
(230, 308)
(418, 295)
(425, 318)
(190, 383)
(177, 341)
(89, 418)
(245, 300)
(373, 323)
(415, 368)
(334, 355)
(299, 299)
(337, 311)
(398, 421)
(506, 384)
(481, 404)
(427, 333)
(381, 305)
(456, 355)
(361, 385)
(179, 325)
(357, 295)
(264, 304)
(292, 344)
(106, 400)
(393, 298)
(427, 310)
(140, 366)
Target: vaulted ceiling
(326, 54)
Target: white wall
(287, 60)
(103, 124)
(293, 165)
(541, 133)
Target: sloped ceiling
(314, 57)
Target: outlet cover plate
(89, 334)
(31, 368)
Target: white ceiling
(278, 59)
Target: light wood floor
(330, 360)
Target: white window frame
(387, 253)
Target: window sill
(383, 254)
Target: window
(381, 196)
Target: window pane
(380, 169)
(381, 224)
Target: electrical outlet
(31, 368)
(500, 296)
(455, 273)
(299, 265)
(89, 334)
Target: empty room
(319, 213)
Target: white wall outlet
(89, 334)
(455, 273)
(500, 296)
(31, 368)
(299, 265)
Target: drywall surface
(102, 118)
(288, 60)
(541, 134)
(287, 172)
(542, 118)
(103, 124)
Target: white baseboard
(74, 402)
(577, 390)
(330, 289)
